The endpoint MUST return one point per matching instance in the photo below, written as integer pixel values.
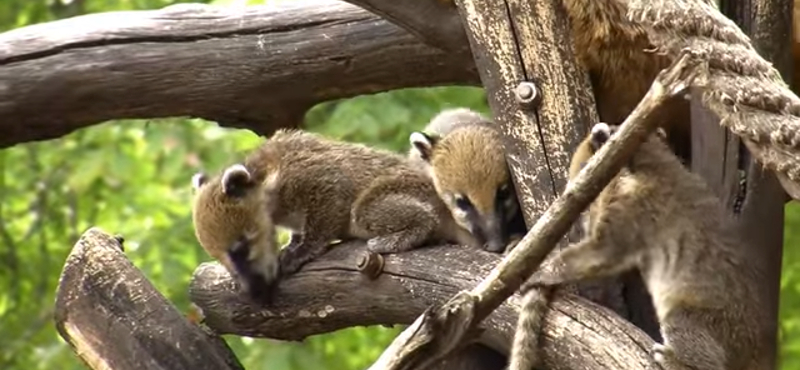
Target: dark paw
(289, 263)
(260, 291)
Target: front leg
(299, 251)
(591, 258)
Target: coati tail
(525, 352)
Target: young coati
(659, 218)
(321, 189)
(463, 153)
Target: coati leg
(688, 344)
(393, 211)
(608, 250)
(302, 249)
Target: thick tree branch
(445, 326)
(328, 294)
(258, 67)
(115, 319)
(435, 22)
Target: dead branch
(258, 67)
(115, 319)
(328, 294)
(461, 314)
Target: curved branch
(329, 294)
(258, 67)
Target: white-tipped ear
(199, 179)
(235, 179)
(601, 132)
(423, 143)
(601, 128)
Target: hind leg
(396, 221)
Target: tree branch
(115, 319)
(258, 67)
(328, 294)
(437, 23)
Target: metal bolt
(526, 93)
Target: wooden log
(330, 293)
(259, 67)
(113, 318)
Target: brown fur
(657, 217)
(622, 63)
(463, 153)
(324, 190)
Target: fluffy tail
(525, 349)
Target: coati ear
(601, 132)
(660, 132)
(424, 143)
(236, 180)
(199, 179)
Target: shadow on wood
(115, 319)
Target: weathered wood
(259, 67)
(436, 22)
(761, 218)
(328, 294)
(510, 48)
(115, 319)
(444, 326)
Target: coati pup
(659, 218)
(462, 152)
(321, 189)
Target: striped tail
(525, 349)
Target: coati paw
(259, 289)
(389, 244)
(511, 245)
(289, 263)
(662, 355)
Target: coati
(657, 217)
(462, 152)
(321, 189)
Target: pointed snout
(494, 232)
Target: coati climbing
(463, 153)
(659, 218)
(323, 190)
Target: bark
(259, 67)
(328, 294)
(443, 327)
(115, 319)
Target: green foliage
(132, 177)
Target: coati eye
(463, 203)
(504, 192)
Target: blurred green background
(140, 187)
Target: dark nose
(495, 245)
(494, 230)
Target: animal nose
(495, 245)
